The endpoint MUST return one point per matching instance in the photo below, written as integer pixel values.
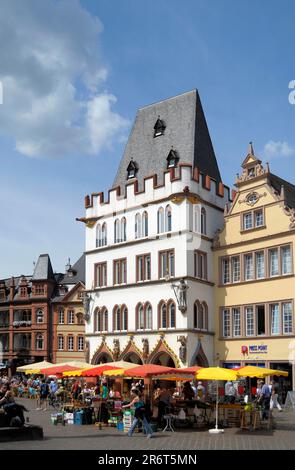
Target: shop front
(270, 353)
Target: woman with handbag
(140, 413)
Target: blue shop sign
(258, 348)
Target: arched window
(117, 237)
(120, 318)
(104, 238)
(98, 235)
(168, 219)
(80, 318)
(196, 310)
(163, 316)
(172, 315)
(205, 316)
(141, 317)
(124, 315)
(138, 225)
(96, 320)
(145, 224)
(200, 315)
(39, 316)
(105, 319)
(101, 320)
(148, 317)
(196, 218)
(161, 220)
(203, 221)
(123, 229)
(144, 317)
(167, 315)
(39, 341)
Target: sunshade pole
(216, 430)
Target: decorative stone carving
(145, 348)
(116, 349)
(247, 175)
(252, 198)
(216, 240)
(290, 212)
(86, 304)
(87, 351)
(182, 349)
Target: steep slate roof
(186, 130)
(277, 182)
(79, 272)
(43, 269)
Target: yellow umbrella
(216, 373)
(32, 371)
(254, 371)
(115, 373)
(73, 373)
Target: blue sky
(74, 74)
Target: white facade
(185, 197)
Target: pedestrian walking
(274, 396)
(140, 413)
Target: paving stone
(89, 437)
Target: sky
(73, 74)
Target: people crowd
(46, 391)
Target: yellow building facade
(69, 326)
(254, 273)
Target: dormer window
(172, 159)
(62, 289)
(159, 127)
(251, 172)
(132, 170)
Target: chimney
(12, 286)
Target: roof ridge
(194, 90)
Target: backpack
(44, 389)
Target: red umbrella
(148, 370)
(97, 371)
(57, 370)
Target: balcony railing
(19, 323)
(22, 348)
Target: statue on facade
(182, 349)
(145, 348)
(86, 305)
(116, 349)
(87, 351)
(180, 291)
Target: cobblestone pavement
(90, 437)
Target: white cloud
(52, 73)
(274, 149)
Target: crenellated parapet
(174, 181)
